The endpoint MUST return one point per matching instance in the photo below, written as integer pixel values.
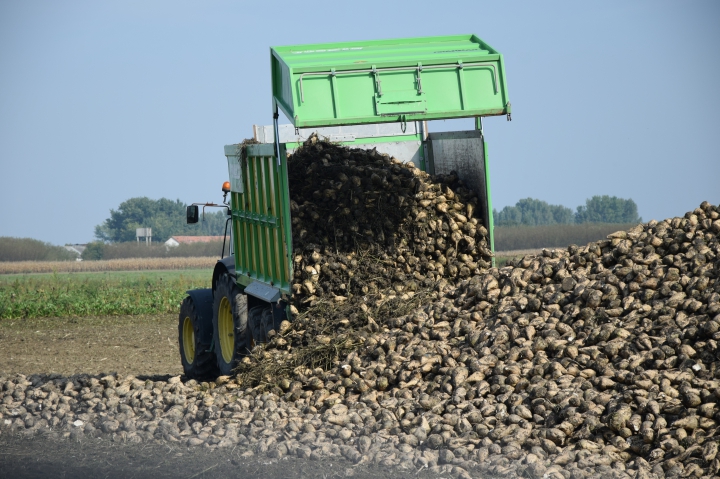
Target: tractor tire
(195, 338)
(261, 321)
(255, 323)
(232, 337)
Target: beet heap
(599, 359)
(366, 224)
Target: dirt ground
(138, 345)
(518, 252)
(46, 457)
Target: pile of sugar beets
(366, 224)
(601, 358)
(408, 350)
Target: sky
(104, 101)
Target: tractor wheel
(261, 322)
(231, 334)
(195, 337)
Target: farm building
(76, 248)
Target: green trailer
(375, 94)
(386, 81)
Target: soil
(47, 457)
(520, 252)
(138, 345)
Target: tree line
(598, 209)
(28, 249)
(98, 250)
(165, 217)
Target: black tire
(255, 323)
(232, 338)
(195, 338)
(269, 322)
(261, 321)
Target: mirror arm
(208, 205)
(222, 255)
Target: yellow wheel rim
(188, 340)
(226, 330)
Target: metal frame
(376, 73)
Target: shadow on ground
(47, 457)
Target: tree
(93, 251)
(607, 209)
(164, 216)
(28, 249)
(532, 212)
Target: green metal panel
(388, 80)
(261, 217)
(491, 220)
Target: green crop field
(97, 294)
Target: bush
(132, 249)
(28, 249)
(508, 238)
(212, 248)
(94, 251)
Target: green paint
(261, 220)
(387, 80)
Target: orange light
(226, 187)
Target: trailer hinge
(419, 80)
(378, 82)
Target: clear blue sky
(104, 101)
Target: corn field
(130, 264)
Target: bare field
(137, 345)
(554, 236)
(519, 252)
(129, 264)
(502, 257)
(50, 456)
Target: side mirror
(193, 214)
